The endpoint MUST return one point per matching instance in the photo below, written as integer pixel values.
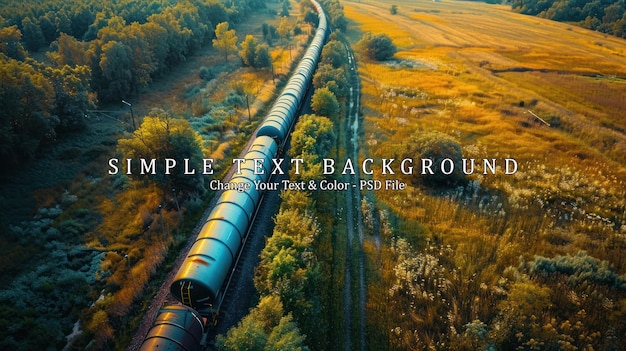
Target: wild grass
(476, 72)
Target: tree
(334, 53)
(225, 39)
(177, 37)
(73, 95)
(32, 35)
(10, 43)
(312, 140)
(377, 47)
(262, 57)
(613, 12)
(284, 28)
(115, 64)
(156, 38)
(162, 136)
(436, 147)
(286, 336)
(69, 51)
(27, 97)
(264, 329)
(285, 8)
(324, 103)
(332, 78)
(394, 9)
(313, 135)
(249, 335)
(248, 50)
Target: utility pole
(132, 117)
(248, 105)
(180, 216)
(132, 276)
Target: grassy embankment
(476, 72)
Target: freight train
(199, 285)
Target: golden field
(550, 95)
(479, 72)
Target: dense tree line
(39, 102)
(607, 16)
(334, 10)
(95, 52)
(289, 275)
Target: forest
(87, 239)
(60, 58)
(606, 16)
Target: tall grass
(473, 72)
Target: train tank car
(201, 276)
(279, 121)
(177, 328)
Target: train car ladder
(185, 294)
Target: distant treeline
(96, 50)
(606, 16)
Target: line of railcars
(199, 283)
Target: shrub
(206, 73)
(377, 47)
(436, 147)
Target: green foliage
(10, 43)
(324, 103)
(27, 97)
(377, 47)
(272, 33)
(127, 43)
(286, 336)
(248, 50)
(161, 136)
(32, 35)
(206, 73)
(394, 9)
(284, 12)
(264, 329)
(312, 140)
(334, 53)
(313, 134)
(604, 16)
(73, 96)
(39, 308)
(580, 269)
(284, 28)
(334, 10)
(333, 78)
(289, 270)
(262, 57)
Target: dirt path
(354, 218)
